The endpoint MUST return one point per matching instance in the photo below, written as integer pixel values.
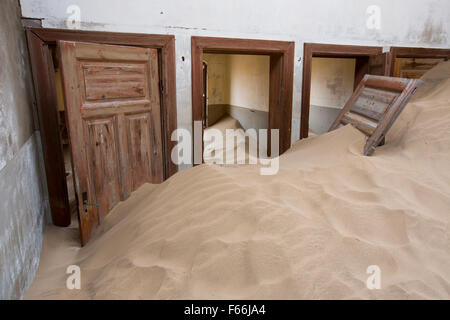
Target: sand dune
(309, 232)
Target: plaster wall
(24, 207)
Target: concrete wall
(24, 207)
(402, 23)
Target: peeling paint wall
(24, 207)
(419, 23)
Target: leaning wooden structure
(374, 106)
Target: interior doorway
(410, 62)
(236, 88)
(281, 64)
(330, 74)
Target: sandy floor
(309, 232)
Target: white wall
(403, 23)
(332, 81)
(249, 81)
(238, 80)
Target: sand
(309, 232)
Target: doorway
(237, 98)
(281, 65)
(410, 62)
(115, 146)
(334, 71)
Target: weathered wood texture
(166, 49)
(39, 39)
(374, 106)
(112, 104)
(411, 52)
(280, 82)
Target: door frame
(205, 93)
(310, 50)
(280, 84)
(45, 90)
(414, 52)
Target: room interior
(237, 95)
(90, 107)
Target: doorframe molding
(280, 84)
(311, 50)
(45, 91)
(415, 52)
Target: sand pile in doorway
(216, 151)
(309, 232)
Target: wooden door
(113, 114)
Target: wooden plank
(239, 46)
(390, 83)
(373, 111)
(337, 50)
(362, 123)
(373, 103)
(87, 215)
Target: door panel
(138, 132)
(104, 163)
(113, 116)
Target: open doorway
(63, 132)
(236, 92)
(276, 94)
(330, 75)
(410, 62)
(332, 83)
(111, 131)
